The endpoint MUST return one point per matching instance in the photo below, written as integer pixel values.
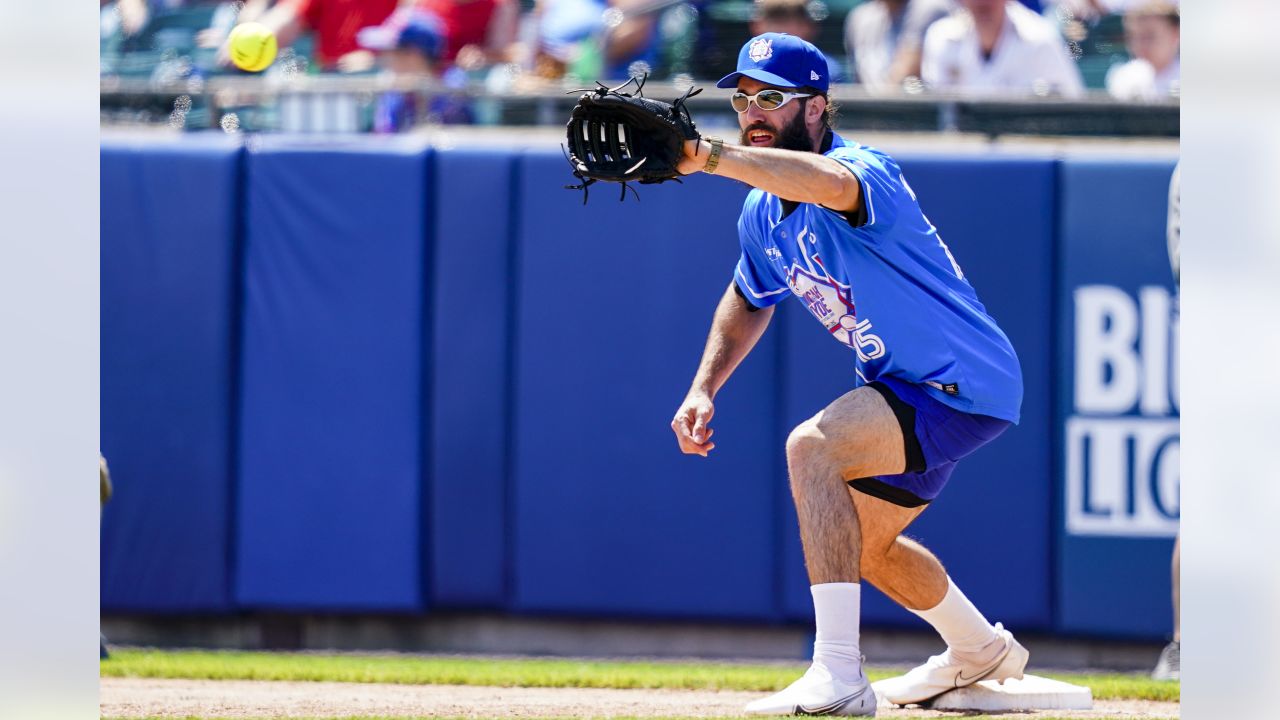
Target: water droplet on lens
(639, 68)
(182, 103)
(612, 18)
(230, 123)
(177, 119)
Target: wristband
(714, 159)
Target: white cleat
(944, 672)
(818, 693)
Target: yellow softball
(252, 46)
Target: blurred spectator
(226, 17)
(335, 24)
(998, 46)
(1151, 32)
(793, 17)
(412, 44)
(883, 39)
(1092, 10)
(133, 15)
(476, 32)
(592, 39)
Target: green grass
(437, 670)
(1121, 686)
(612, 718)
(664, 717)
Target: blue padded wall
(169, 248)
(1115, 579)
(471, 298)
(459, 405)
(614, 304)
(996, 215)
(331, 423)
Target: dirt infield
(133, 697)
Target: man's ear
(814, 108)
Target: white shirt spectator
(1090, 10)
(1139, 80)
(873, 37)
(1029, 57)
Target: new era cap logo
(813, 75)
(761, 49)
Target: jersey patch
(831, 302)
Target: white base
(1030, 693)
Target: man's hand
(690, 425)
(695, 157)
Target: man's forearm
(734, 331)
(802, 177)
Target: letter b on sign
(1107, 363)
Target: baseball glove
(619, 137)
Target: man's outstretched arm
(735, 329)
(802, 177)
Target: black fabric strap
(906, 416)
(915, 461)
(878, 489)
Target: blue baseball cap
(407, 27)
(782, 60)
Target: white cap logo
(813, 75)
(761, 49)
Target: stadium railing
(347, 104)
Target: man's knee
(807, 446)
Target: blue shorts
(936, 436)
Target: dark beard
(792, 136)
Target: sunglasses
(765, 99)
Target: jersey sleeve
(881, 181)
(754, 276)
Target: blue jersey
(889, 288)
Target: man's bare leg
(858, 433)
(909, 574)
(914, 578)
(901, 568)
(1169, 666)
(855, 436)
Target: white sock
(837, 607)
(966, 631)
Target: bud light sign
(1121, 442)
(1117, 399)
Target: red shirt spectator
(466, 22)
(336, 22)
